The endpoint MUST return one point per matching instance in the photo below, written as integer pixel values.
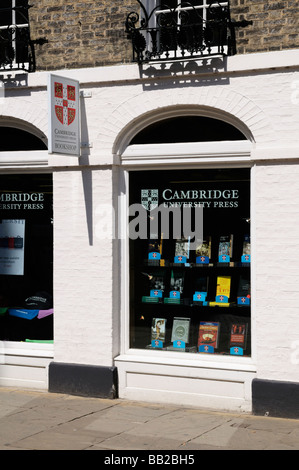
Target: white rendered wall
(257, 92)
(83, 267)
(277, 271)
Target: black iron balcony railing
(178, 33)
(17, 49)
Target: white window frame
(230, 154)
(138, 367)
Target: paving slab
(33, 420)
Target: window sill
(19, 348)
(194, 360)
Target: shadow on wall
(86, 173)
(185, 72)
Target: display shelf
(168, 264)
(155, 283)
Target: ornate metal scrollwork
(176, 33)
(7, 53)
(16, 47)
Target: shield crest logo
(149, 198)
(65, 101)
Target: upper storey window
(171, 29)
(193, 26)
(14, 33)
(16, 46)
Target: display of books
(246, 245)
(155, 249)
(245, 258)
(203, 251)
(243, 294)
(222, 292)
(223, 286)
(156, 285)
(238, 338)
(157, 280)
(177, 281)
(176, 286)
(201, 283)
(225, 248)
(208, 336)
(187, 287)
(158, 332)
(180, 330)
(201, 289)
(182, 250)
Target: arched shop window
(26, 247)
(190, 268)
(12, 139)
(187, 129)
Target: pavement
(33, 420)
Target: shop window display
(190, 261)
(26, 257)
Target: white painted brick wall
(86, 289)
(277, 271)
(83, 268)
(264, 104)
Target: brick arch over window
(148, 107)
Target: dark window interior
(26, 200)
(12, 139)
(223, 218)
(187, 129)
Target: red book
(208, 335)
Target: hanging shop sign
(64, 115)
